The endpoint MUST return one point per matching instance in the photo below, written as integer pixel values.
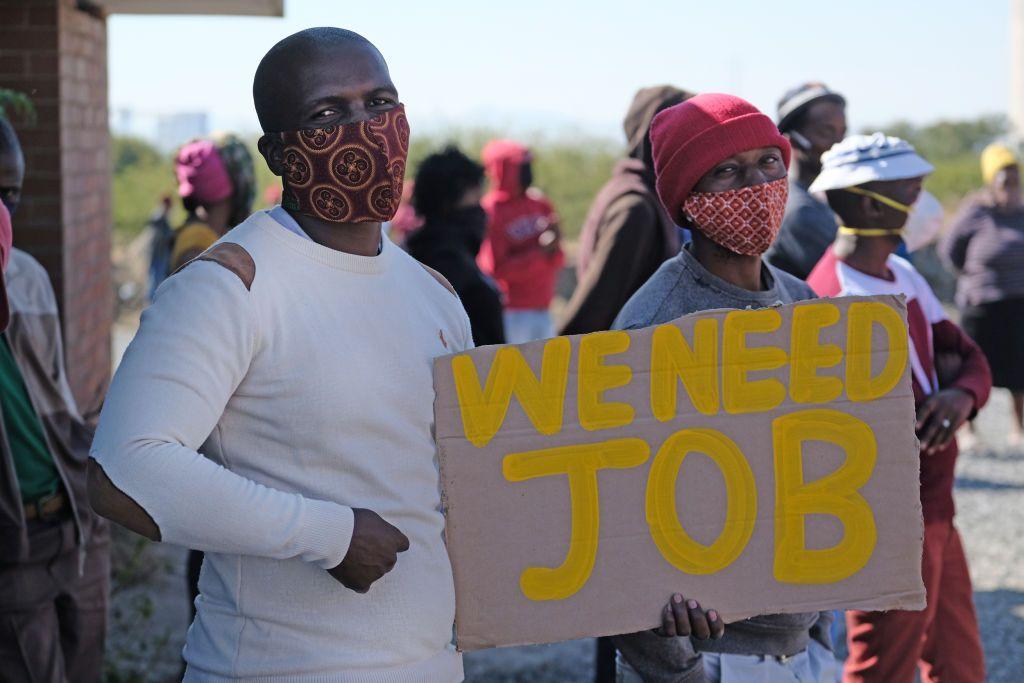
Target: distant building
(173, 130)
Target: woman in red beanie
(720, 170)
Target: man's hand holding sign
(763, 460)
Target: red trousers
(942, 639)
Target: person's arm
(494, 251)
(550, 239)
(523, 266)
(953, 247)
(666, 654)
(528, 261)
(108, 501)
(54, 344)
(629, 227)
(964, 395)
(483, 306)
(192, 351)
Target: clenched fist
(372, 553)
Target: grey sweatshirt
(681, 286)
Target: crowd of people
(274, 412)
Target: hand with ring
(940, 416)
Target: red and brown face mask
(351, 173)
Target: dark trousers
(53, 620)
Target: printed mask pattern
(347, 174)
(744, 221)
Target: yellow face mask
(876, 232)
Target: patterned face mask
(351, 173)
(744, 221)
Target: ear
(272, 149)
(872, 209)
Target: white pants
(527, 324)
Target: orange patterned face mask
(351, 173)
(744, 221)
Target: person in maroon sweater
(870, 183)
(522, 250)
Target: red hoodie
(512, 253)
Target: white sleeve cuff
(328, 531)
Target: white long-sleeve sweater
(308, 395)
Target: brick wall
(57, 54)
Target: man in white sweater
(275, 408)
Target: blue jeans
(527, 324)
(816, 664)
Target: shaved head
(320, 66)
(8, 138)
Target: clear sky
(573, 65)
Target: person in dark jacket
(447, 195)
(813, 118)
(985, 247)
(627, 233)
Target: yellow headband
(995, 158)
(888, 201)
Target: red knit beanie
(689, 139)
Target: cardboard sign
(761, 461)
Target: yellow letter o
(675, 544)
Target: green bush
(15, 106)
(953, 147)
(126, 153)
(569, 169)
(142, 175)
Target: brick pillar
(57, 54)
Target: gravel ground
(990, 502)
(990, 516)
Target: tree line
(570, 169)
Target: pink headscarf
(201, 173)
(6, 242)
